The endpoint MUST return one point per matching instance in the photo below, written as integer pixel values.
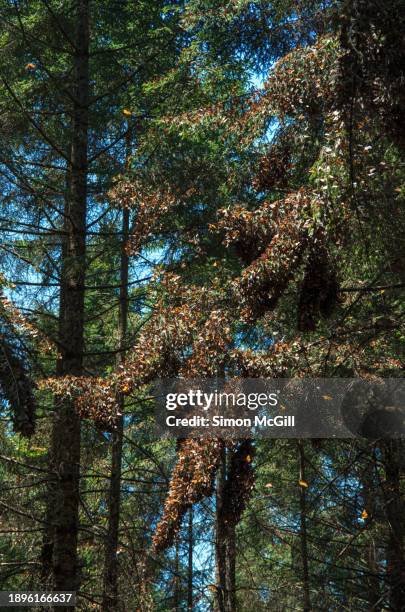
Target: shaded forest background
(192, 189)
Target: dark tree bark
(110, 585)
(220, 545)
(393, 459)
(49, 533)
(230, 563)
(60, 544)
(303, 530)
(372, 581)
(16, 384)
(176, 584)
(225, 542)
(190, 561)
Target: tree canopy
(194, 190)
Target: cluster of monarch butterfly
(249, 232)
(277, 362)
(301, 83)
(15, 380)
(14, 318)
(210, 348)
(151, 205)
(192, 480)
(273, 241)
(239, 482)
(263, 282)
(187, 338)
(94, 397)
(371, 69)
(16, 384)
(319, 288)
(274, 168)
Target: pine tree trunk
(225, 545)
(49, 532)
(220, 543)
(372, 580)
(230, 557)
(303, 530)
(190, 561)
(60, 545)
(393, 459)
(110, 585)
(176, 594)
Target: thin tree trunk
(372, 581)
(110, 585)
(63, 501)
(220, 544)
(49, 532)
(303, 530)
(190, 561)
(224, 544)
(393, 458)
(176, 598)
(230, 558)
